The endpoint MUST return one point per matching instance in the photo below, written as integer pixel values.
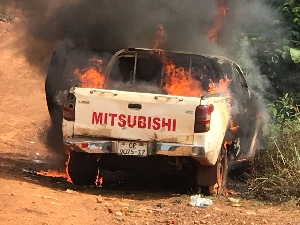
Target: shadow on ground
(133, 185)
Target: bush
(279, 162)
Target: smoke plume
(113, 24)
(116, 24)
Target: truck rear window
(151, 74)
(131, 74)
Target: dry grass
(279, 163)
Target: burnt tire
(82, 168)
(217, 176)
(55, 112)
(53, 85)
(222, 172)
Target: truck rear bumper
(153, 148)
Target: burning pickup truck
(142, 108)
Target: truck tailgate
(134, 116)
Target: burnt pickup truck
(152, 107)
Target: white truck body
(157, 124)
(133, 119)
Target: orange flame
(177, 81)
(221, 87)
(180, 82)
(54, 173)
(91, 77)
(160, 37)
(219, 20)
(99, 180)
(233, 127)
(225, 143)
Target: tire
(222, 170)
(212, 179)
(82, 168)
(53, 85)
(55, 112)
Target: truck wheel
(82, 168)
(222, 169)
(216, 174)
(53, 83)
(55, 112)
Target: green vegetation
(279, 161)
(277, 54)
(279, 59)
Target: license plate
(132, 148)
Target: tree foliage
(280, 60)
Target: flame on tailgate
(91, 77)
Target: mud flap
(213, 178)
(207, 175)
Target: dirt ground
(125, 198)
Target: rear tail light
(202, 118)
(69, 108)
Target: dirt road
(27, 198)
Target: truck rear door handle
(134, 106)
